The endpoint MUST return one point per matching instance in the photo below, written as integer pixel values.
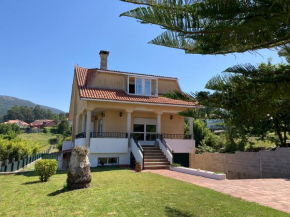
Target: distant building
(20, 123)
(43, 123)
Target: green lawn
(119, 192)
(41, 138)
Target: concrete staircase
(154, 158)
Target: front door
(145, 133)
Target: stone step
(156, 163)
(154, 156)
(152, 150)
(156, 167)
(155, 160)
(153, 153)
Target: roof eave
(136, 74)
(143, 103)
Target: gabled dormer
(131, 83)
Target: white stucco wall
(80, 142)
(137, 153)
(108, 145)
(124, 159)
(67, 145)
(181, 145)
(165, 151)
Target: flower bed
(207, 174)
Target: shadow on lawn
(31, 183)
(172, 212)
(57, 192)
(32, 173)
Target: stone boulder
(79, 172)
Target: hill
(6, 102)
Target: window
(147, 87)
(145, 132)
(141, 86)
(108, 161)
(132, 85)
(138, 85)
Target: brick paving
(273, 193)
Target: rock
(79, 172)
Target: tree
(63, 127)
(216, 27)
(39, 113)
(13, 113)
(252, 100)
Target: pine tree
(216, 26)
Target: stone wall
(246, 165)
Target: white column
(77, 124)
(83, 123)
(159, 123)
(191, 127)
(129, 124)
(88, 128)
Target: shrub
(17, 147)
(59, 146)
(68, 138)
(45, 169)
(175, 165)
(46, 130)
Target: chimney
(104, 56)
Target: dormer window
(142, 86)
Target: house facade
(43, 123)
(123, 118)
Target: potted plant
(137, 166)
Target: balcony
(116, 142)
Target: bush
(45, 169)
(46, 129)
(175, 165)
(17, 147)
(68, 138)
(6, 128)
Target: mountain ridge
(6, 102)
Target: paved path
(274, 193)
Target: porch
(118, 133)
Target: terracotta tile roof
(16, 121)
(119, 95)
(41, 122)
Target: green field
(119, 192)
(43, 139)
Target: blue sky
(41, 41)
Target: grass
(119, 192)
(41, 138)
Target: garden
(119, 192)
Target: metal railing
(140, 148)
(81, 135)
(176, 136)
(160, 137)
(109, 135)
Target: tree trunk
(278, 130)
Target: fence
(16, 165)
(49, 156)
